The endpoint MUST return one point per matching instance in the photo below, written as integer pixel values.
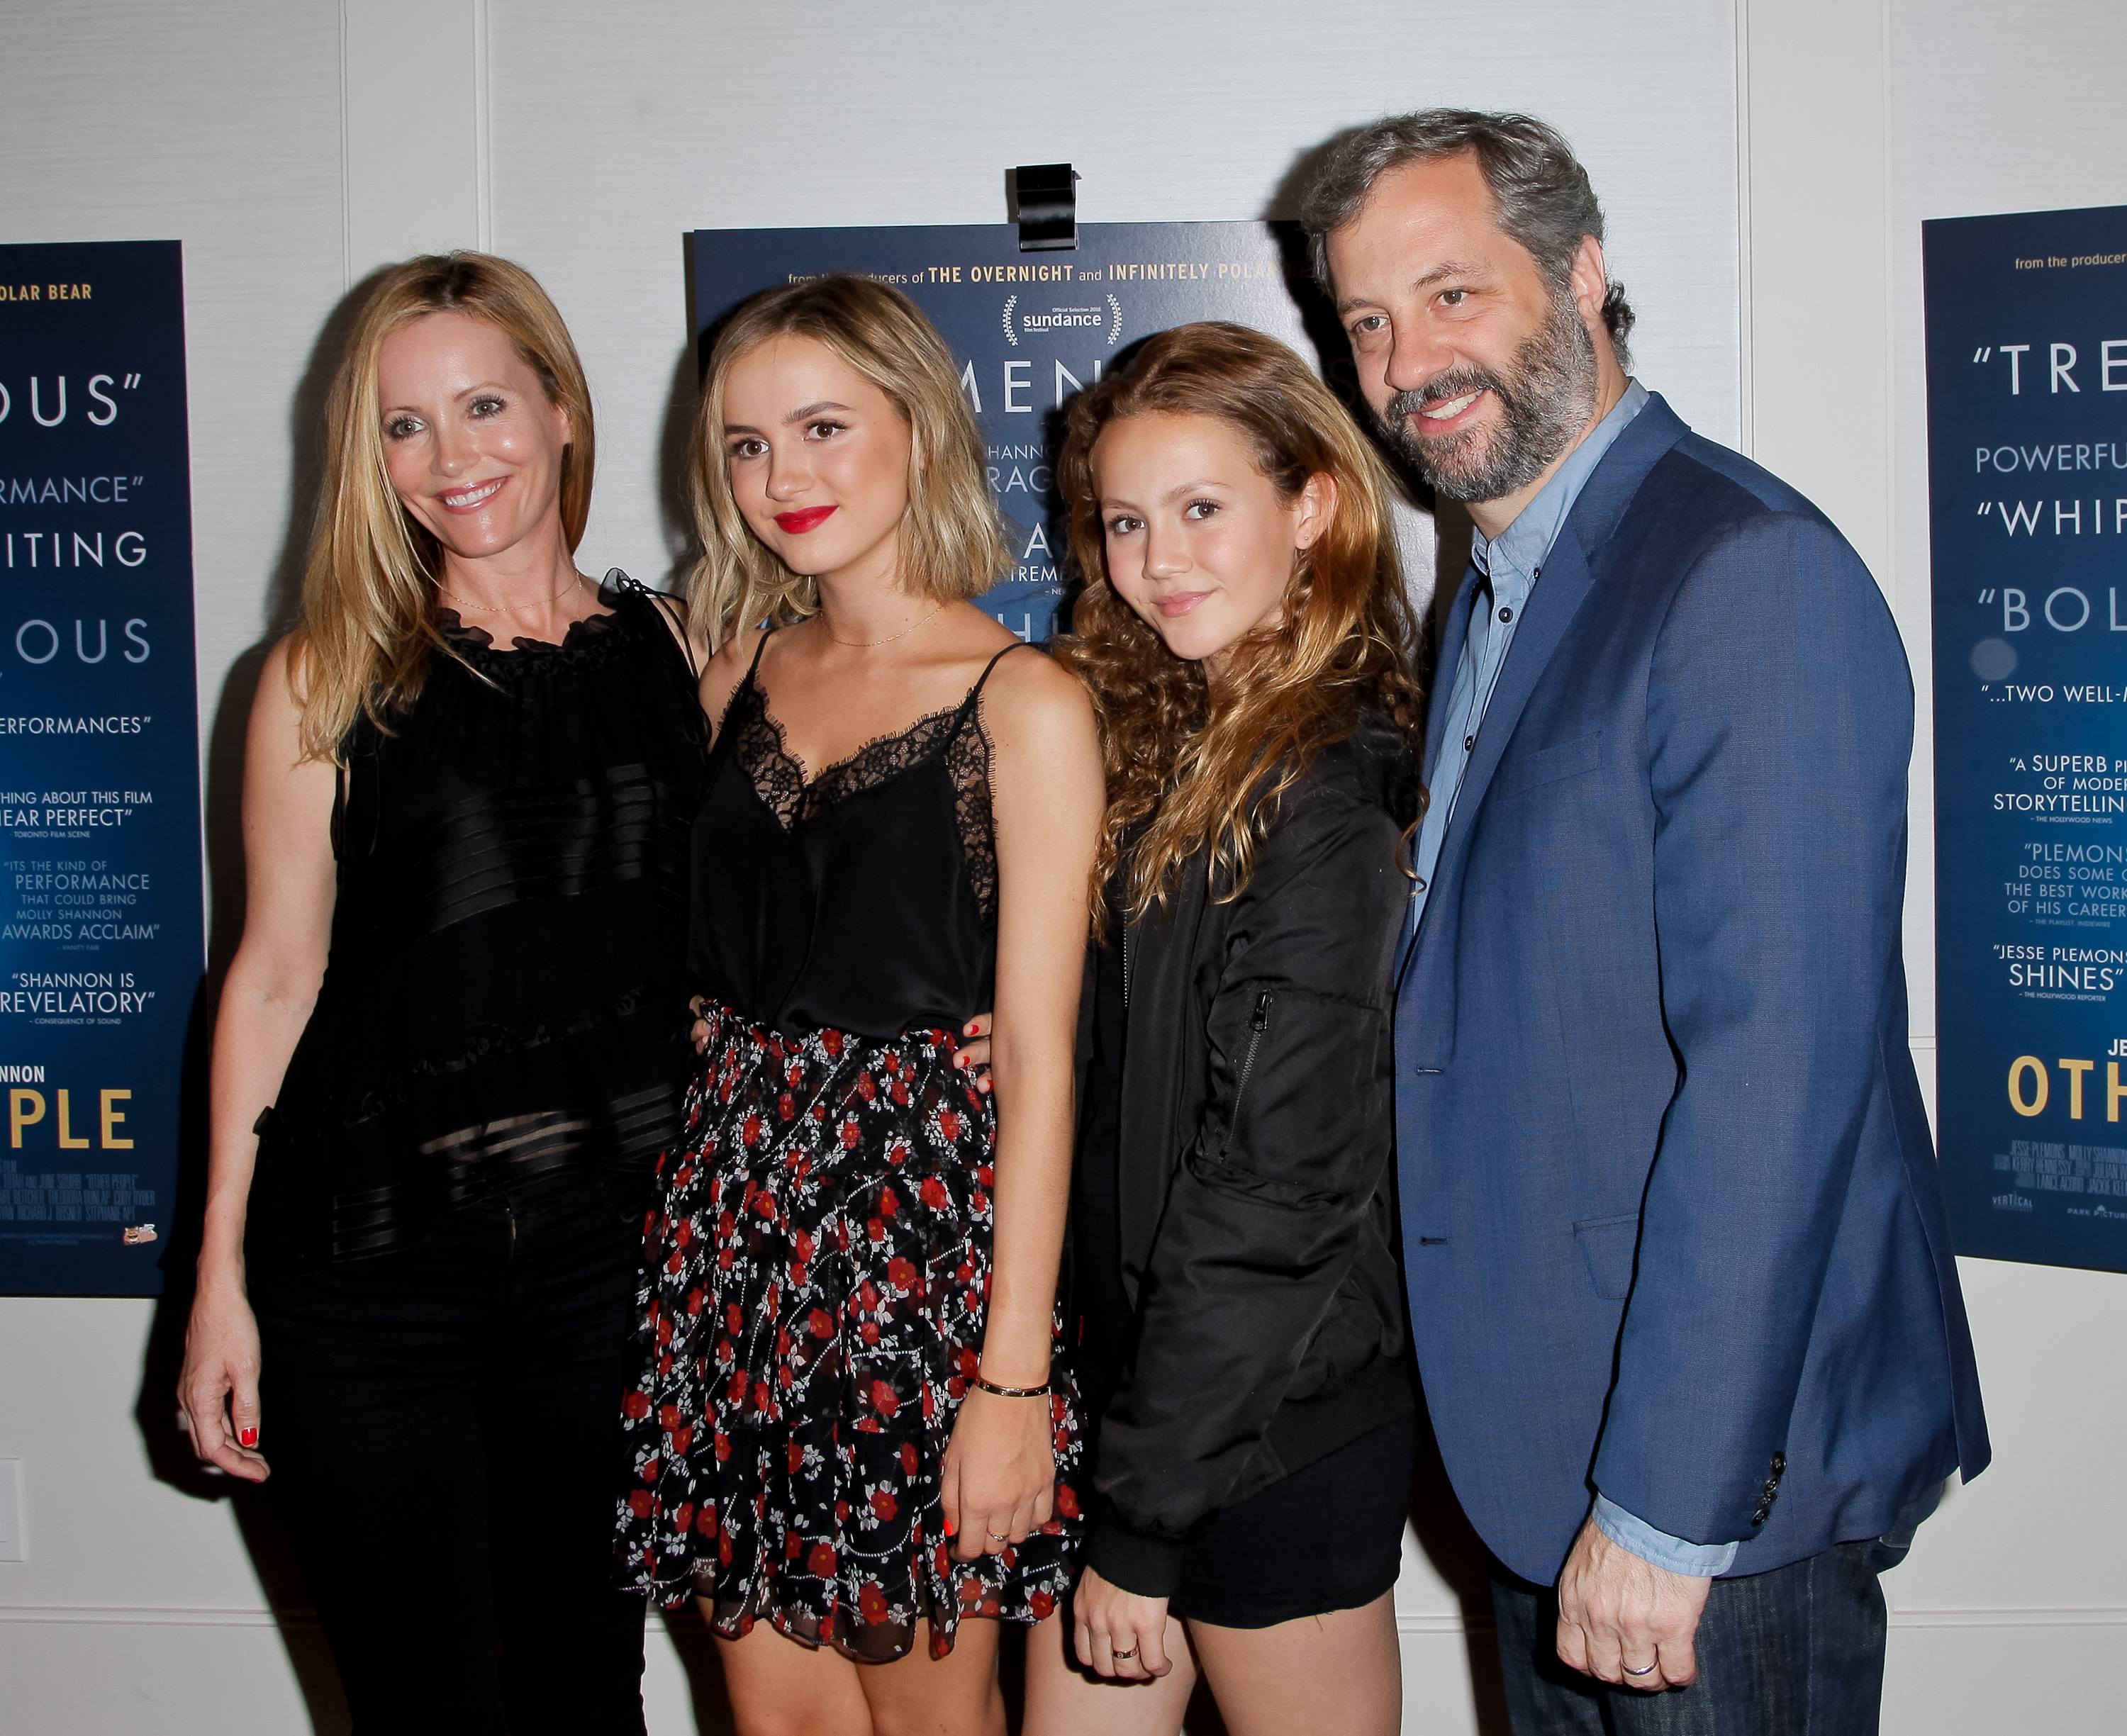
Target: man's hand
(1617, 1614)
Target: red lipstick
(811, 518)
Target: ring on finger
(1645, 1670)
(1131, 1653)
(1000, 1536)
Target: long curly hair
(369, 587)
(1199, 767)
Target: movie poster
(2027, 453)
(1031, 329)
(100, 942)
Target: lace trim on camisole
(761, 749)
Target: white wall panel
(216, 122)
(607, 144)
(2013, 1606)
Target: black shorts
(1328, 1537)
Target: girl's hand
(998, 1481)
(973, 1054)
(1119, 1634)
(219, 1387)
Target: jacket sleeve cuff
(1700, 1560)
(1132, 1561)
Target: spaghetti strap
(975, 693)
(761, 645)
(667, 606)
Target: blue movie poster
(1031, 329)
(101, 942)
(2027, 453)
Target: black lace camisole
(865, 901)
(504, 1006)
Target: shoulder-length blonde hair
(1206, 765)
(369, 600)
(952, 544)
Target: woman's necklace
(493, 608)
(863, 645)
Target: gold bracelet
(1013, 1392)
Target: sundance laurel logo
(1106, 314)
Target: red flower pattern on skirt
(815, 1278)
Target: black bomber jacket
(1255, 1168)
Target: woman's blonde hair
(369, 600)
(952, 544)
(1201, 767)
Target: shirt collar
(1513, 557)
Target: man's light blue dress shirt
(1509, 566)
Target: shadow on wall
(168, 1451)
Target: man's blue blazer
(1672, 1219)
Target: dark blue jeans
(1800, 1648)
(443, 1424)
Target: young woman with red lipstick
(1239, 1333)
(849, 1438)
(448, 1048)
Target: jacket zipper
(1258, 1021)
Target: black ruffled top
(504, 1006)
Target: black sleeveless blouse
(504, 1003)
(863, 900)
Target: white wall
(1775, 267)
(1997, 107)
(216, 122)
(608, 144)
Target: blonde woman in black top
(849, 1440)
(448, 1048)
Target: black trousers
(443, 1424)
(1800, 1648)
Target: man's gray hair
(1545, 201)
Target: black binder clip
(1048, 207)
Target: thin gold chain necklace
(489, 609)
(864, 645)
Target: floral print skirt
(815, 1278)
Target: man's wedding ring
(1648, 1670)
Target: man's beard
(1546, 398)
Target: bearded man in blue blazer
(1681, 1288)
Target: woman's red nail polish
(248, 1437)
(951, 1528)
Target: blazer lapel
(1561, 587)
